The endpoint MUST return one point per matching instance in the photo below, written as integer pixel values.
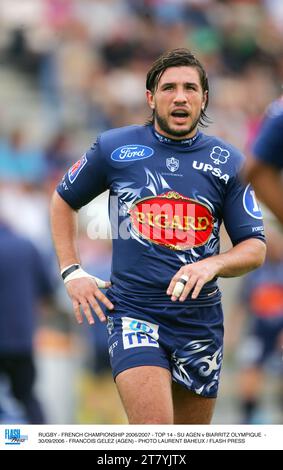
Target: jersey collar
(166, 140)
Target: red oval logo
(172, 220)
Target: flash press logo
(14, 437)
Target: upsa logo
(131, 153)
(172, 220)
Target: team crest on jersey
(77, 168)
(172, 220)
(172, 164)
(219, 155)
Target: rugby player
(171, 186)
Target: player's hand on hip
(191, 278)
(84, 294)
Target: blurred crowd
(88, 58)
(85, 62)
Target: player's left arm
(243, 221)
(242, 258)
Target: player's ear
(204, 101)
(150, 99)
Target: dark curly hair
(177, 58)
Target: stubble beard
(164, 126)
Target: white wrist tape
(180, 285)
(79, 273)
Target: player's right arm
(85, 180)
(83, 292)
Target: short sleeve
(242, 214)
(86, 179)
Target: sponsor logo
(76, 168)
(219, 155)
(130, 153)
(112, 347)
(138, 333)
(172, 164)
(14, 437)
(250, 203)
(258, 229)
(214, 171)
(172, 220)
(64, 185)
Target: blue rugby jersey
(167, 202)
(268, 146)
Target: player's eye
(168, 87)
(191, 87)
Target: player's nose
(180, 96)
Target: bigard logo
(172, 220)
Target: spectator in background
(20, 162)
(24, 280)
(58, 154)
(261, 307)
(264, 167)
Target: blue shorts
(188, 341)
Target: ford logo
(130, 153)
